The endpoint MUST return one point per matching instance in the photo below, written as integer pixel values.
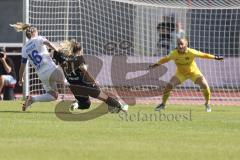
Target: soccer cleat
(74, 106)
(207, 108)
(160, 107)
(27, 103)
(124, 108)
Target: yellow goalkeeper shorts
(193, 76)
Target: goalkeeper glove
(219, 58)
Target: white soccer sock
(66, 82)
(43, 98)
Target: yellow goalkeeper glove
(219, 58)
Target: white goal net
(122, 37)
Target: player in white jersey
(35, 50)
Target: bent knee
(54, 94)
(169, 86)
(84, 104)
(203, 84)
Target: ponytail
(20, 27)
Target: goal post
(26, 73)
(122, 37)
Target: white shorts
(9, 80)
(52, 78)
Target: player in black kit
(82, 84)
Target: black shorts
(83, 90)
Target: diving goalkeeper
(82, 84)
(186, 69)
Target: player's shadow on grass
(27, 112)
(63, 112)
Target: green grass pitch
(39, 134)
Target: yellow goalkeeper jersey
(185, 61)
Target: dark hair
(2, 49)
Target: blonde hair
(20, 27)
(184, 39)
(69, 47)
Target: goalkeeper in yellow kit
(186, 69)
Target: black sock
(113, 102)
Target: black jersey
(81, 86)
(70, 64)
(72, 67)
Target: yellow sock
(206, 93)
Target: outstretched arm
(87, 76)
(161, 61)
(50, 45)
(208, 56)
